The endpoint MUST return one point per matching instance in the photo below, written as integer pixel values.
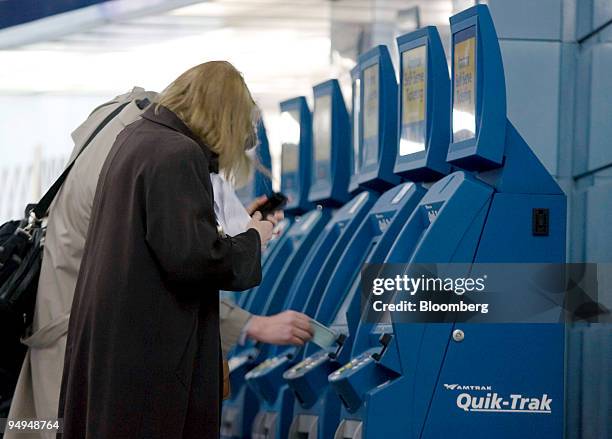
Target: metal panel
(600, 128)
(598, 240)
(527, 19)
(591, 15)
(532, 71)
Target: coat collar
(168, 118)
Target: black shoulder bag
(21, 251)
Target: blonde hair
(213, 100)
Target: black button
(540, 221)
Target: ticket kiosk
(327, 184)
(423, 138)
(276, 398)
(410, 380)
(296, 160)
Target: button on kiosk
(240, 409)
(317, 407)
(411, 380)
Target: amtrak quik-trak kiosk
(415, 380)
(237, 415)
(326, 185)
(331, 132)
(423, 140)
(276, 398)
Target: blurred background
(62, 58)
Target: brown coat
(143, 355)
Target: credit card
(322, 335)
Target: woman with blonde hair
(143, 358)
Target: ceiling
(283, 47)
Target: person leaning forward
(143, 355)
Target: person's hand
(256, 204)
(285, 328)
(275, 217)
(263, 227)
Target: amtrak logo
(461, 387)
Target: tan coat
(38, 388)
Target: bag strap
(42, 207)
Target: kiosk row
(435, 173)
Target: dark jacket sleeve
(181, 229)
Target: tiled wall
(558, 65)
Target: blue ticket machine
(423, 137)
(277, 400)
(416, 380)
(327, 178)
(294, 244)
